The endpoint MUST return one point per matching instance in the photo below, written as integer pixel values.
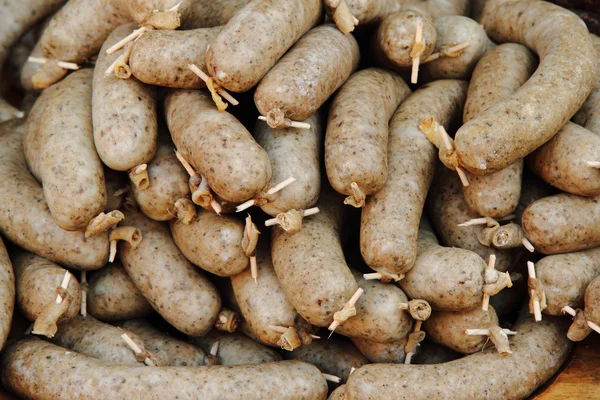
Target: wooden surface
(580, 376)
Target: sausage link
(588, 115)
(7, 294)
(209, 13)
(515, 127)
(382, 352)
(236, 349)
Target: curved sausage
(172, 285)
(310, 72)
(527, 119)
(390, 219)
(499, 73)
(256, 37)
(297, 153)
(539, 348)
(112, 295)
(24, 215)
(357, 132)
(588, 115)
(31, 361)
(7, 294)
(310, 263)
(123, 111)
(217, 145)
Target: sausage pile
(290, 199)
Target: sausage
(87, 335)
(179, 293)
(448, 328)
(220, 250)
(452, 30)
(439, 8)
(449, 278)
(539, 348)
(7, 294)
(338, 394)
(563, 161)
(564, 278)
(31, 361)
(19, 17)
(124, 112)
(208, 13)
(447, 208)
(562, 223)
(217, 145)
(332, 356)
(24, 215)
(162, 57)
(310, 263)
(499, 73)
(37, 281)
(396, 35)
(388, 228)
(263, 303)
(76, 32)
(311, 71)
(382, 352)
(236, 349)
(297, 153)
(256, 38)
(357, 132)
(165, 349)
(581, 327)
(515, 127)
(112, 296)
(61, 153)
(167, 183)
(367, 11)
(378, 313)
(588, 115)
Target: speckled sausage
(338, 394)
(308, 74)
(124, 112)
(217, 145)
(87, 335)
(256, 38)
(161, 58)
(264, 303)
(518, 125)
(447, 207)
(439, 8)
(539, 349)
(76, 32)
(32, 361)
(565, 277)
(212, 242)
(396, 36)
(367, 11)
(333, 356)
(179, 293)
(7, 294)
(168, 182)
(499, 73)
(390, 219)
(236, 349)
(357, 131)
(382, 352)
(165, 349)
(310, 263)
(18, 17)
(588, 115)
(449, 278)
(563, 223)
(448, 328)
(378, 313)
(452, 30)
(592, 301)
(208, 13)
(297, 153)
(112, 296)
(562, 161)
(36, 282)
(24, 215)
(62, 155)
